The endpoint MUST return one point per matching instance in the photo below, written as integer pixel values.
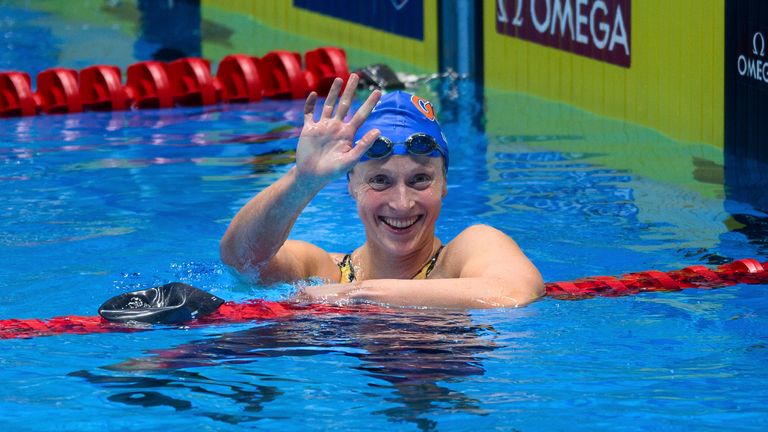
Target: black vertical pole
(170, 29)
(460, 49)
(460, 37)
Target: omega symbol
(761, 51)
(399, 4)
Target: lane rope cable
(180, 304)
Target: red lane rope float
(284, 78)
(191, 82)
(16, 97)
(239, 80)
(323, 66)
(229, 312)
(148, 85)
(184, 82)
(744, 271)
(101, 89)
(58, 91)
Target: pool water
(97, 204)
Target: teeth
(400, 223)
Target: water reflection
(150, 392)
(753, 226)
(412, 354)
(581, 187)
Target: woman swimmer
(396, 158)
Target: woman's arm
(464, 293)
(256, 237)
(483, 268)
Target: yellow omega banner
(656, 63)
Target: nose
(402, 199)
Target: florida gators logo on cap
(424, 106)
(398, 116)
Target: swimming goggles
(418, 144)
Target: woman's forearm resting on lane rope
(475, 292)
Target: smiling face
(399, 200)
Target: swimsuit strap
(348, 271)
(427, 269)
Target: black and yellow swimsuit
(348, 271)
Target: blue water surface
(96, 204)
(100, 203)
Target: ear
(352, 192)
(445, 180)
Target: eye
(420, 181)
(379, 182)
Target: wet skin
(399, 200)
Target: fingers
(345, 102)
(364, 143)
(346, 98)
(330, 101)
(365, 109)
(309, 108)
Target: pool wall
(652, 62)
(673, 73)
(669, 66)
(402, 34)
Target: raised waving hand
(326, 148)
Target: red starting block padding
(239, 79)
(282, 75)
(324, 65)
(58, 91)
(16, 97)
(191, 82)
(101, 89)
(148, 85)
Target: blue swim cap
(399, 115)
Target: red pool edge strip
(744, 271)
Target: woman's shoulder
(479, 233)
(476, 242)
